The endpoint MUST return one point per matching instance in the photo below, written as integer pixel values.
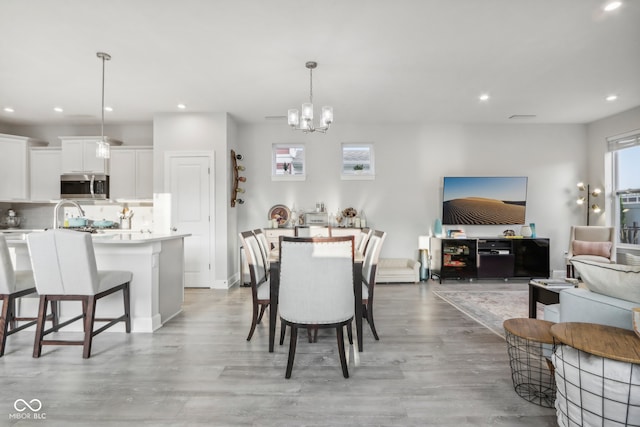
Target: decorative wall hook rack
(236, 179)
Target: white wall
(411, 160)
(199, 132)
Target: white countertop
(133, 237)
(111, 237)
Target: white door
(189, 181)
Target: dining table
(274, 286)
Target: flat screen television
(497, 200)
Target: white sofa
(398, 270)
(582, 305)
(605, 303)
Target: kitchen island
(157, 287)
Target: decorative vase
(525, 231)
(437, 227)
(533, 230)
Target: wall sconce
(595, 208)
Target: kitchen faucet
(57, 208)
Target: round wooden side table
(529, 344)
(597, 375)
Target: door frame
(168, 155)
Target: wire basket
(531, 370)
(595, 391)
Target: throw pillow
(581, 247)
(614, 280)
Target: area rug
(490, 308)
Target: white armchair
(591, 243)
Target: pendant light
(103, 150)
(305, 123)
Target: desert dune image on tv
(484, 200)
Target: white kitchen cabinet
(46, 167)
(131, 174)
(14, 166)
(79, 154)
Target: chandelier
(304, 122)
(102, 149)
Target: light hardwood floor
(433, 366)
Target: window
(625, 150)
(287, 162)
(358, 161)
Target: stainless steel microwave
(84, 186)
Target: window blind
(626, 140)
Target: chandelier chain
(311, 85)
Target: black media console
(489, 258)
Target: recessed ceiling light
(58, 109)
(611, 98)
(484, 97)
(612, 5)
(8, 110)
(108, 109)
(182, 106)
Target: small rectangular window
(357, 161)
(288, 162)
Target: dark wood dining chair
(260, 292)
(316, 288)
(369, 271)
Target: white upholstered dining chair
(369, 272)
(64, 268)
(13, 285)
(264, 246)
(316, 288)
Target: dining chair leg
(89, 318)
(84, 312)
(55, 318)
(292, 350)
(127, 307)
(254, 321)
(7, 304)
(372, 324)
(263, 307)
(283, 329)
(42, 316)
(343, 356)
(312, 337)
(11, 303)
(350, 333)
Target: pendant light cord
(102, 127)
